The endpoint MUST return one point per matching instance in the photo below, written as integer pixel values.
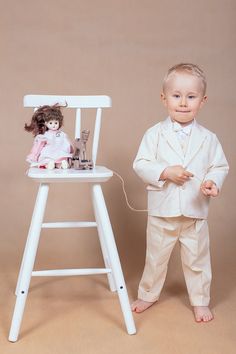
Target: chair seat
(96, 175)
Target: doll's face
(52, 124)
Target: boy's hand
(176, 174)
(209, 188)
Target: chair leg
(28, 261)
(21, 267)
(104, 222)
(105, 254)
(23, 258)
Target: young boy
(184, 165)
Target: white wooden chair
(94, 177)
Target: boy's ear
(163, 98)
(204, 99)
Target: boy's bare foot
(202, 314)
(139, 306)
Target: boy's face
(183, 97)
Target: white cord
(125, 194)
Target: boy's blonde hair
(188, 68)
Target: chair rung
(70, 272)
(68, 224)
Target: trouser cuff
(147, 296)
(199, 301)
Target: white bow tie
(178, 128)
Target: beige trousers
(162, 235)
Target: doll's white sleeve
(66, 143)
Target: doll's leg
(196, 264)
(64, 164)
(162, 234)
(50, 165)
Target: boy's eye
(176, 95)
(191, 97)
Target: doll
(51, 148)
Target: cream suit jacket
(204, 157)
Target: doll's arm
(66, 144)
(70, 146)
(39, 143)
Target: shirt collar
(184, 129)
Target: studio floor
(80, 315)
(122, 49)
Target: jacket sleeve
(147, 164)
(218, 168)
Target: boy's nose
(183, 102)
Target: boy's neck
(183, 124)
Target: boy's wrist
(164, 175)
(211, 181)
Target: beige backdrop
(121, 48)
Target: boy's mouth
(182, 111)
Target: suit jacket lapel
(170, 136)
(196, 140)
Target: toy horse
(79, 160)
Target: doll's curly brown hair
(44, 114)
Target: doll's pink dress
(51, 146)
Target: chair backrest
(78, 103)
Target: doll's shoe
(51, 165)
(64, 165)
